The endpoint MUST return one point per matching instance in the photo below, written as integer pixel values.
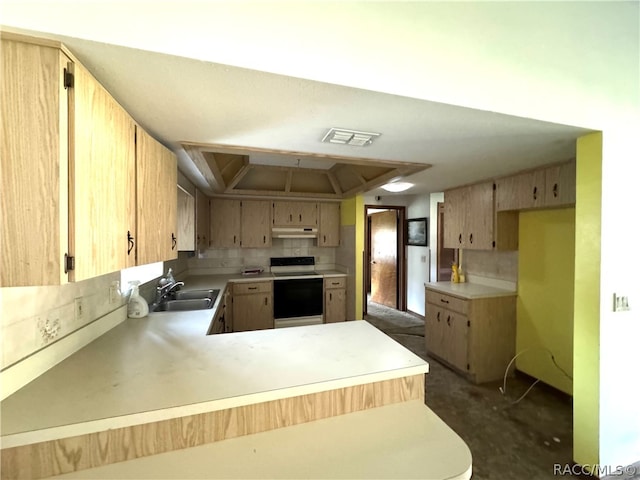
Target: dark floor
(507, 441)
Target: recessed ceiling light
(397, 186)
(342, 136)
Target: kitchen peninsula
(159, 384)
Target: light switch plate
(80, 308)
(620, 303)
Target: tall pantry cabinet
(68, 171)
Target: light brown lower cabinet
(252, 306)
(476, 337)
(335, 299)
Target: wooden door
(560, 184)
(34, 166)
(252, 312)
(446, 257)
(225, 223)
(202, 221)
(479, 217)
(435, 330)
(455, 339)
(102, 186)
(186, 221)
(384, 258)
(255, 224)
(306, 214)
(329, 231)
(156, 179)
(454, 218)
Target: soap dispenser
(137, 307)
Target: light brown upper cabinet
(470, 220)
(62, 135)
(186, 221)
(545, 187)
(329, 231)
(225, 223)
(202, 221)
(156, 180)
(295, 214)
(255, 221)
(469, 217)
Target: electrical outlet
(620, 303)
(114, 292)
(80, 309)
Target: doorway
(385, 259)
(445, 257)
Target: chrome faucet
(164, 289)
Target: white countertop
(164, 366)
(470, 290)
(404, 440)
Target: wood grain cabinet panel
(295, 214)
(156, 179)
(454, 234)
(335, 299)
(252, 306)
(329, 229)
(560, 184)
(225, 223)
(102, 216)
(479, 217)
(202, 221)
(186, 221)
(34, 168)
(255, 223)
(474, 336)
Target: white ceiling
(178, 68)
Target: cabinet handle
(252, 288)
(535, 193)
(438, 316)
(460, 238)
(174, 242)
(444, 301)
(197, 239)
(555, 189)
(266, 301)
(324, 238)
(301, 217)
(330, 296)
(471, 238)
(291, 217)
(132, 244)
(449, 320)
(264, 239)
(335, 283)
(234, 239)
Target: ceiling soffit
(229, 170)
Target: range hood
(294, 232)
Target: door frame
(401, 275)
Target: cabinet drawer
(253, 287)
(335, 282)
(447, 301)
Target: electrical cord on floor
(503, 389)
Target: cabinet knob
(449, 320)
(266, 301)
(471, 238)
(555, 189)
(330, 296)
(438, 316)
(174, 242)
(444, 301)
(460, 238)
(535, 193)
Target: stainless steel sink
(185, 304)
(191, 294)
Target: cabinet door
(478, 224)
(295, 214)
(225, 223)
(255, 226)
(521, 191)
(252, 312)
(335, 305)
(34, 166)
(329, 231)
(560, 184)
(103, 215)
(454, 218)
(156, 179)
(202, 221)
(455, 339)
(186, 221)
(435, 330)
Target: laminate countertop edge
(469, 291)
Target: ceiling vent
(343, 136)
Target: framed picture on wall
(418, 232)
